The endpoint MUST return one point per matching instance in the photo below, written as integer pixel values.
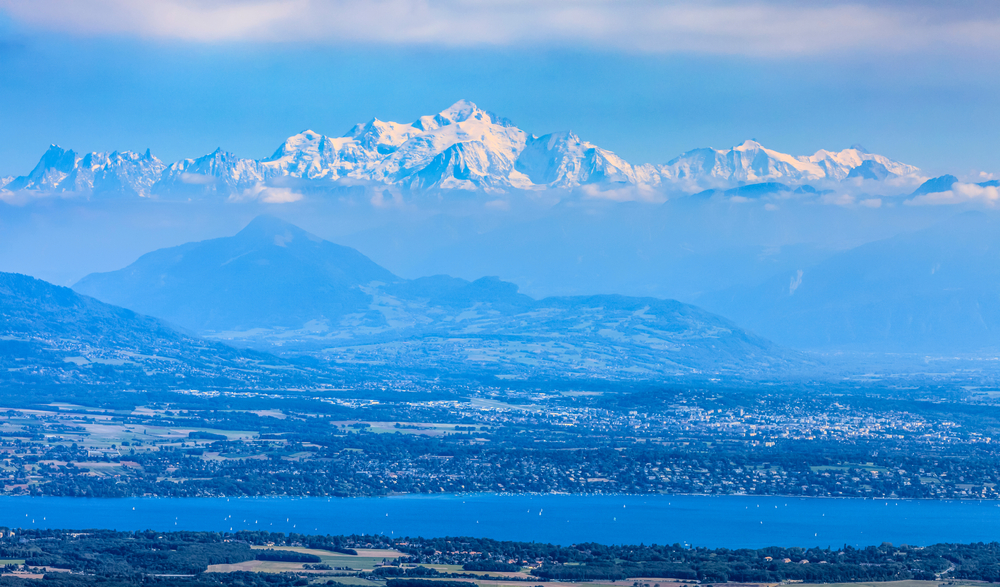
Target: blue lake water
(725, 521)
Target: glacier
(460, 148)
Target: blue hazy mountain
(51, 335)
(936, 289)
(274, 286)
(271, 274)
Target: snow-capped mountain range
(460, 148)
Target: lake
(715, 521)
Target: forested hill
(53, 336)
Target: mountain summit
(463, 147)
(270, 274)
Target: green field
(365, 560)
(882, 584)
(352, 581)
(847, 467)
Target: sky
(647, 79)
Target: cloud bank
(960, 193)
(770, 28)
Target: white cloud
(387, 199)
(960, 193)
(267, 194)
(720, 27)
(837, 199)
(631, 193)
(499, 204)
(197, 179)
(795, 282)
(871, 203)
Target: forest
(95, 557)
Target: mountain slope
(933, 290)
(271, 274)
(274, 286)
(487, 325)
(463, 147)
(51, 335)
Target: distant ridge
(460, 148)
(279, 288)
(51, 335)
(934, 290)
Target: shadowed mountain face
(271, 274)
(275, 286)
(933, 290)
(53, 335)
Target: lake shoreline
(714, 521)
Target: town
(677, 440)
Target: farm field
(365, 561)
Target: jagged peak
(56, 158)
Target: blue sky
(647, 80)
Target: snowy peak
(219, 172)
(460, 111)
(118, 173)
(52, 169)
(307, 154)
(751, 162)
(749, 145)
(461, 147)
(563, 160)
(856, 162)
(382, 137)
(490, 145)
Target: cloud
(795, 282)
(773, 27)
(626, 193)
(960, 193)
(197, 179)
(871, 203)
(387, 199)
(267, 195)
(837, 199)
